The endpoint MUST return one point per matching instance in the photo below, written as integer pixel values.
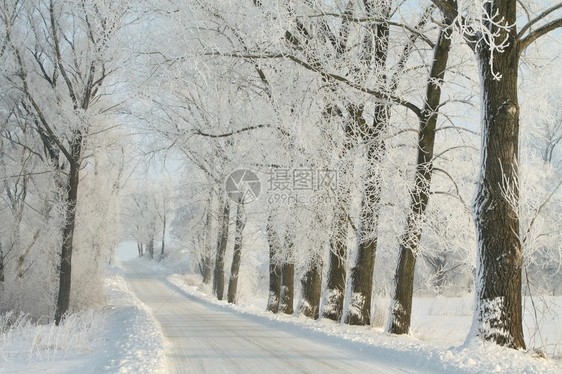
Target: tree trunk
(333, 305)
(337, 274)
(218, 276)
(439, 283)
(498, 283)
(311, 290)
(207, 255)
(274, 288)
(2, 279)
(207, 269)
(65, 266)
(288, 276)
(163, 236)
(362, 273)
(274, 267)
(140, 249)
(287, 288)
(150, 246)
(401, 310)
(236, 257)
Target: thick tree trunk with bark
(207, 256)
(218, 276)
(373, 135)
(1, 264)
(163, 236)
(65, 266)
(288, 277)
(333, 305)
(500, 259)
(401, 310)
(150, 246)
(207, 269)
(237, 255)
(498, 46)
(311, 291)
(337, 273)
(359, 312)
(274, 267)
(287, 288)
(311, 288)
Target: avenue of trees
(332, 152)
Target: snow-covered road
(201, 338)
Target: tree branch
(448, 7)
(350, 18)
(22, 74)
(450, 10)
(551, 26)
(381, 96)
(249, 128)
(58, 54)
(537, 19)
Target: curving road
(202, 338)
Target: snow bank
(435, 356)
(133, 341)
(122, 337)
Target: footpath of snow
(122, 337)
(442, 355)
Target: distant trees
(148, 211)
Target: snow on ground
(124, 337)
(437, 342)
(133, 340)
(120, 338)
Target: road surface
(202, 338)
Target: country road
(202, 338)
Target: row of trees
(370, 89)
(358, 118)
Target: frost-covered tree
(492, 29)
(60, 55)
(420, 192)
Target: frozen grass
(121, 337)
(21, 340)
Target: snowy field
(124, 337)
